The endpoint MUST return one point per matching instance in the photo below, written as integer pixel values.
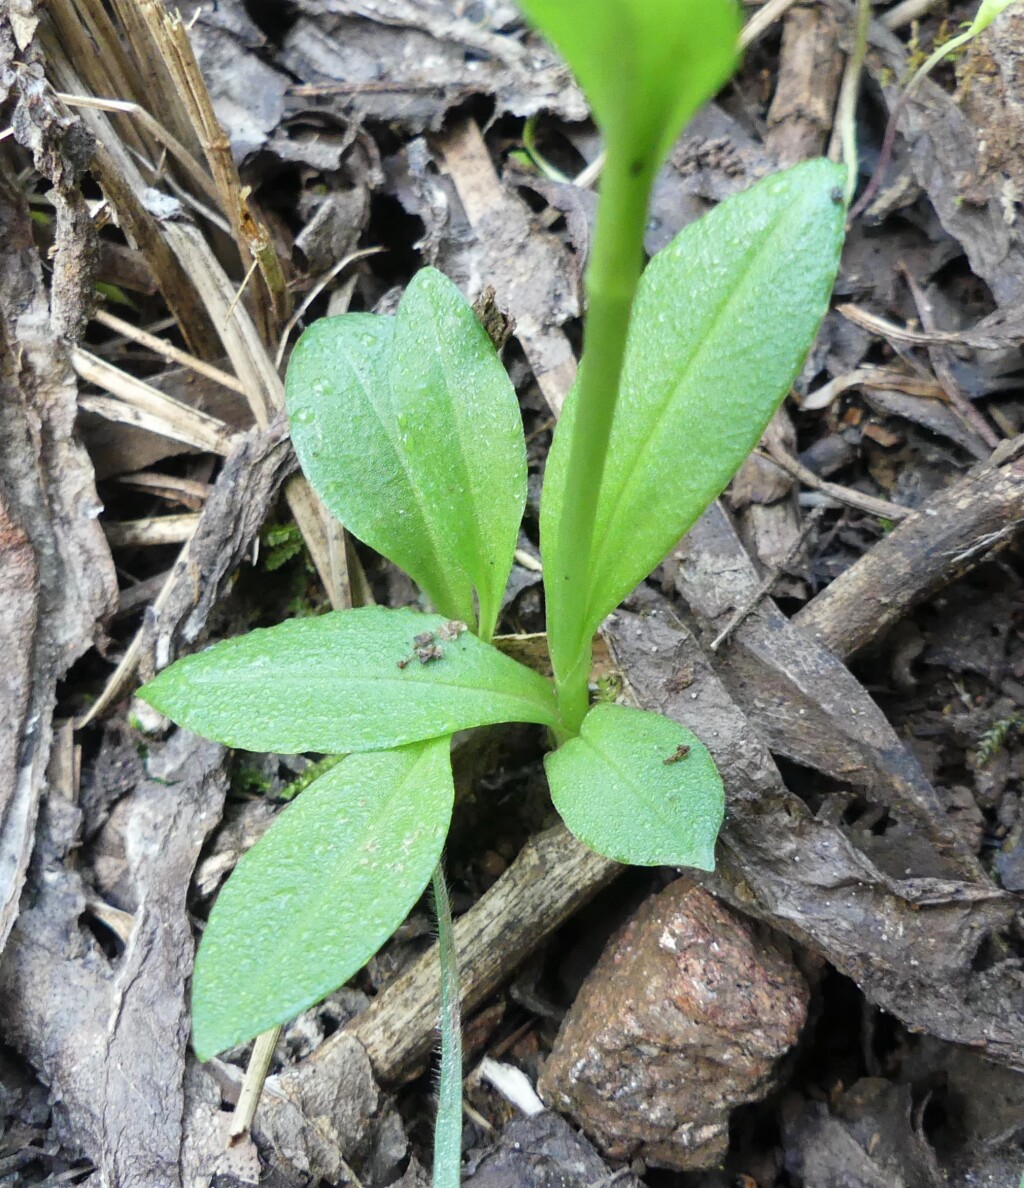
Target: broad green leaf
(320, 892)
(644, 65)
(358, 680)
(639, 788)
(723, 319)
(464, 431)
(409, 429)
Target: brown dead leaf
(436, 55)
(55, 566)
(947, 156)
(110, 1037)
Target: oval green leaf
(644, 65)
(409, 429)
(464, 432)
(359, 680)
(639, 788)
(320, 892)
(723, 319)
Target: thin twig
(160, 346)
(196, 174)
(156, 530)
(906, 12)
(189, 493)
(763, 19)
(315, 292)
(240, 291)
(885, 378)
(896, 333)
(943, 372)
(870, 504)
(765, 588)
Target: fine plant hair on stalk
(448, 1128)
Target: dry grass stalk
(250, 232)
(155, 69)
(189, 493)
(154, 530)
(140, 404)
(160, 346)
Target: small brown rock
(682, 1019)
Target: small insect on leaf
(679, 753)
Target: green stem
(613, 273)
(448, 1126)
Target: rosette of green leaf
(320, 892)
(639, 788)
(645, 66)
(723, 319)
(409, 429)
(358, 680)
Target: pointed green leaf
(465, 431)
(359, 680)
(644, 65)
(723, 320)
(320, 892)
(409, 429)
(639, 788)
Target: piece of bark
(765, 500)
(810, 69)
(19, 797)
(942, 540)
(110, 1037)
(231, 520)
(684, 1018)
(62, 150)
(809, 708)
(318, 1115)
(910, 944)
(235, 511)
(56, 573)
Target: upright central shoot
(645, 67)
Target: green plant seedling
(987, 12)
(408, 427)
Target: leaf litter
(862, 824)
